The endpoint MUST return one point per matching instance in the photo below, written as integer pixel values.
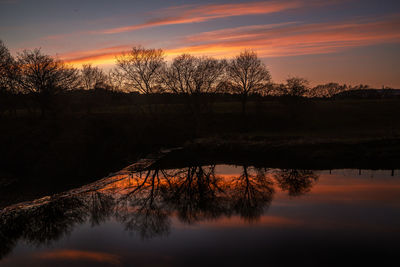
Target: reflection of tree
(54, 220)
(295, 182)
(195, 193)
(251, 192)
(142, 209)
(51, 221)
(145, 201)
(41, 224)
(10, 232)
(100, 207)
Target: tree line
(147, 72)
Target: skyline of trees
(143, 70)
(146, 71)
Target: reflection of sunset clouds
(79, 255)
(264, 220)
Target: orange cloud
(295, 39)
(80, 255)
(273, 40)
(202, 13)
(97, 56)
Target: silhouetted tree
(116, 80)
(295, 87)
(92, 77)
(95, 82)
(6, 62)
(142, 68)
(247, 75)
(44, 76)
(8, 88)
(194, 77)
(360, 87)
(327, 90)
(292, 94)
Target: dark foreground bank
(39, 156)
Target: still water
(217, 215)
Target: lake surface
(211, 216)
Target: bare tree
(116, 79)
(8, 87)
(6, 63)
(327, 90)
(194, 76)
(360, 87)
(247, 75)
(141, 68)
(295, 87)
(92, 77)
(44, 76)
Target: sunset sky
(346, 41)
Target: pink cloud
(201, 13)
(272, 40)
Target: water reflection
(144, 202)
(141, 207)
(296, 182)
(41, 224)
(251, 192)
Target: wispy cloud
(201, 13)
(186, 14)
(292, 39)
(272, 40)
(96, 56)
(8, 1)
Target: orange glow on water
(78, 255)
(265, 220)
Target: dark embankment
(290, 153)
(39, 156)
